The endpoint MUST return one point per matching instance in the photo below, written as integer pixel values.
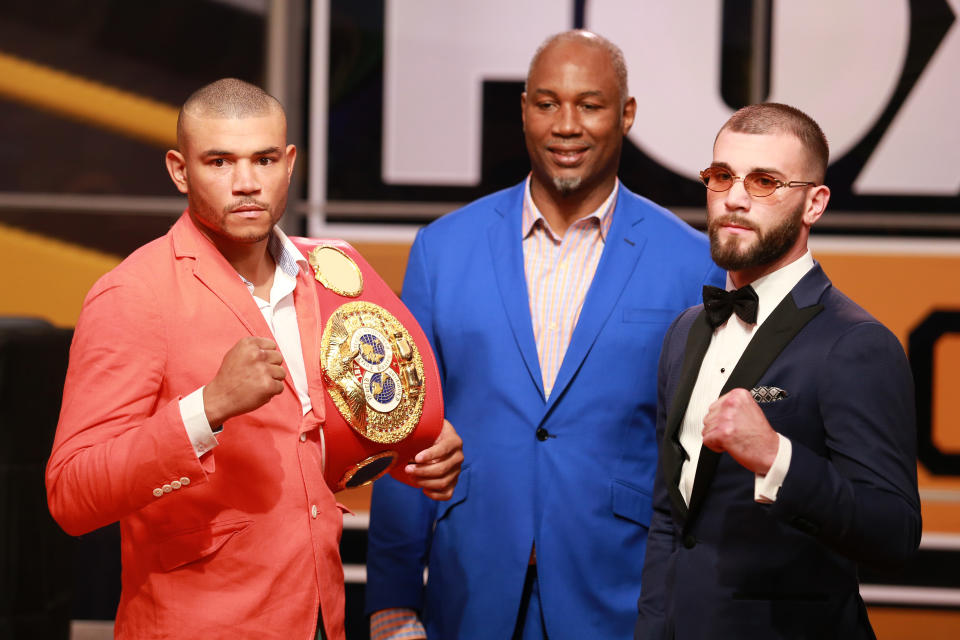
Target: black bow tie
(719, 304)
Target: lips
(567, 156)
(735, 225)
(248, 209)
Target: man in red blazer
(194, 403)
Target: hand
(251, 373)
(435, 470)
(735, 423)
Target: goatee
(566, 186)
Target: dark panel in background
(159, 50)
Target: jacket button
(184, 481)
(167, 488)
(689, 541)
(303, 437)
(542, 434)
(158, 492)
(313, 511)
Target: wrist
(216, 416)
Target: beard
(566, 186)
(770, 245)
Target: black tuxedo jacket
(729, 567)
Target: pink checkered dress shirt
(559, 271)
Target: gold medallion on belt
(373, 370)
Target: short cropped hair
(227, 98)
(583, 36)
(773, 117)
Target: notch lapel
(219, 277)
(216, 274)
(771, 338)
(309, 319)
(506, 256)
(622, 249)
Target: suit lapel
(216, 274)
(770, 339)
(506, 256)
(622, 249)
(672, 454)
(309, 319)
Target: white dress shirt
(726, 346)
(281, 316)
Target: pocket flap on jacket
(631, 503)
(193, 545)
(660, 316)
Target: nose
(245, 178)
(736, 197)
(567, 122)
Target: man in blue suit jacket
(545, 533)
(766, 500)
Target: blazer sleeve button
(158, 492)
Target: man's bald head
(583, 36)
(226, 98)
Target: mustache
(245, 202)
(560, 142)
(740, 221)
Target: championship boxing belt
(383, 398)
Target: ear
(629, 113)
(817, 201)
(291, 154)
(523, 109)
(177, 168)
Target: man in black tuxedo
(785, 419)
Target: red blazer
(242, 543)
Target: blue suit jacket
(728, 567)
(583, 492)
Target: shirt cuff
(396, 624)
(195, 422)
(765, 488)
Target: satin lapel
(622, 249)
(216, 274)
(671, 453)
(506, 256)
(770, 339)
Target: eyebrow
(266, 152)
(213, 153)
(724, 165)
(582, 94)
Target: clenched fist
(735, 423)
(251, 373)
